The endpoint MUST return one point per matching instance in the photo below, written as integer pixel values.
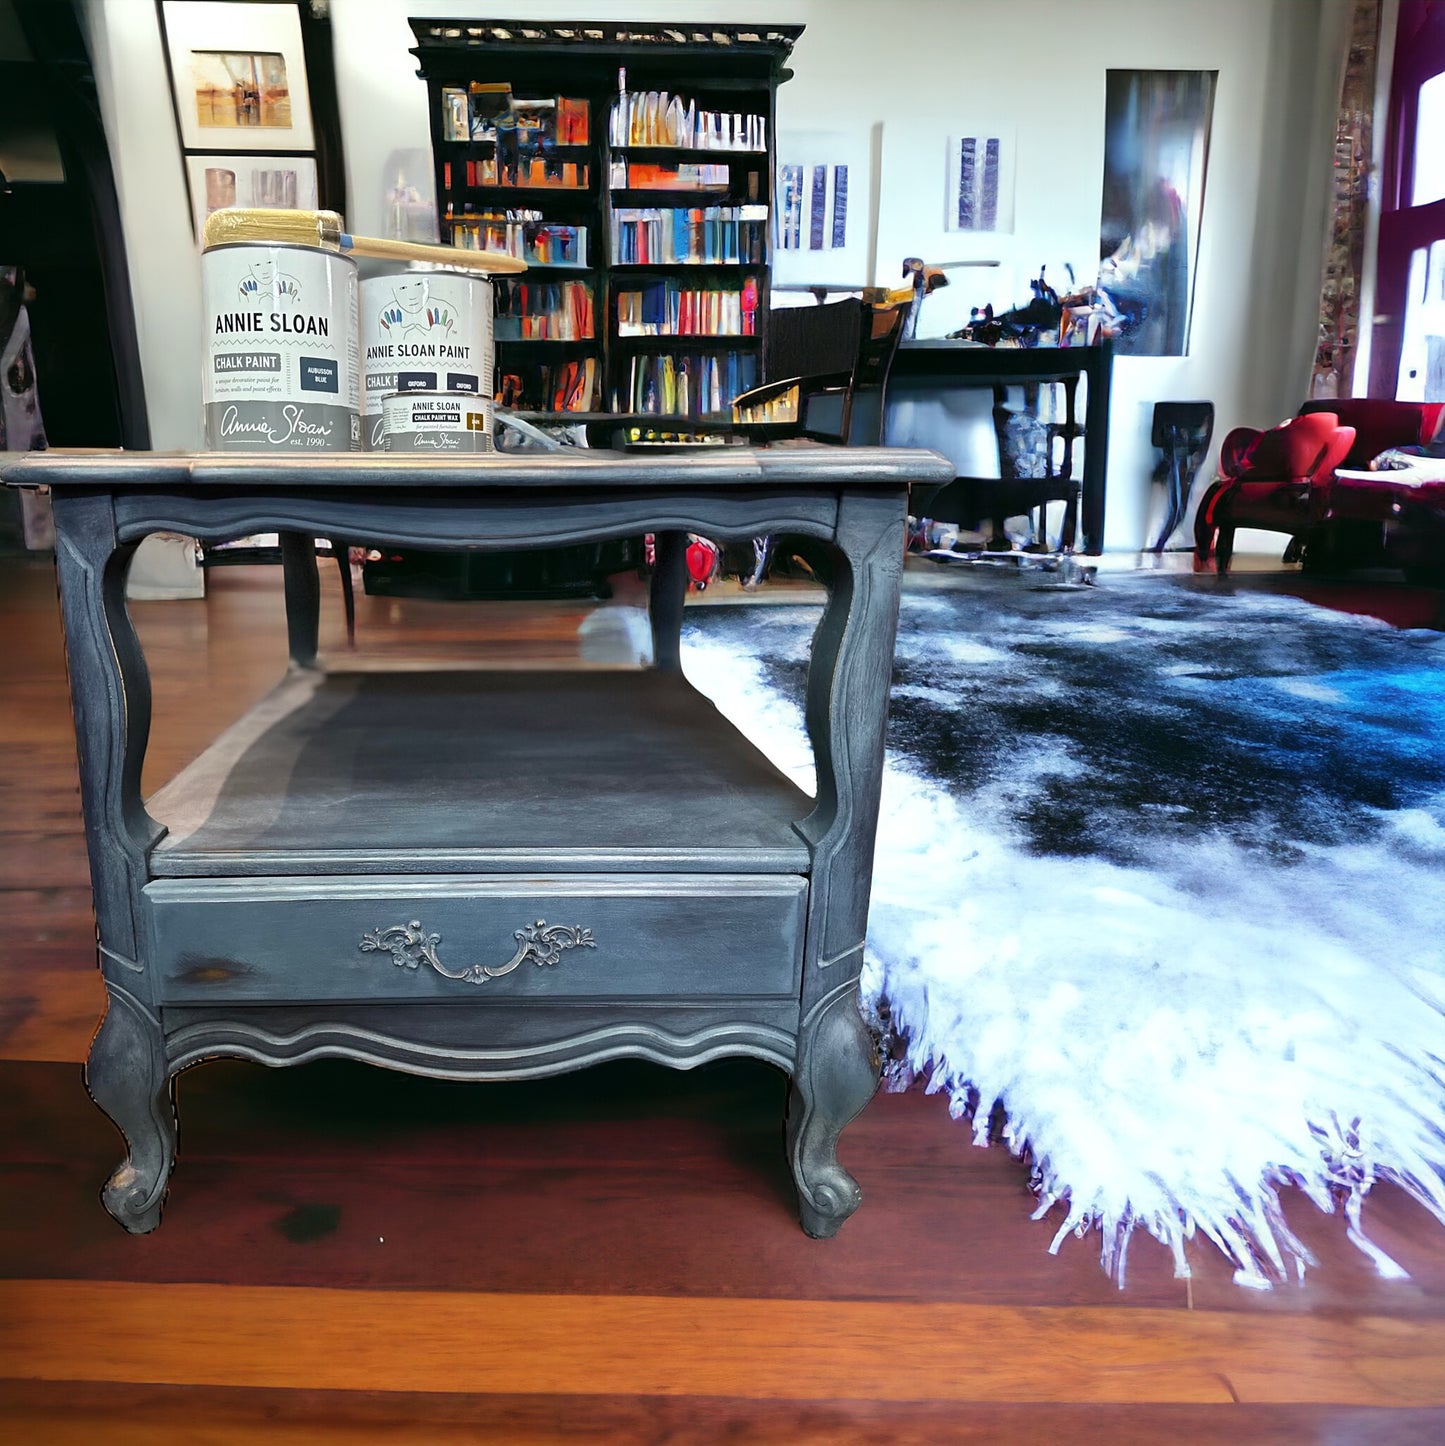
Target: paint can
(425, 329)
(281, 354)
(436, 422)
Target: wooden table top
(809, 467)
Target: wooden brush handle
(492, 262)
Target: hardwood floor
(349, 1254)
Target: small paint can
(281, 349)
(436, 422)
(424, 329)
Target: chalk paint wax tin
(281, 349)
(425, 329)
(436, 422)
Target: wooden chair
(827, 374)
(828, 367)
(970, 501)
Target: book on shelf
(696, 384)
(655, 118)
(669, 308)
(697, 235)
(542, 311)
(523, 234)
(569, 386)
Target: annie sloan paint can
(425, 329)
(436, 422)
(281, 349)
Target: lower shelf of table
(417, 771)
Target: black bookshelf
(727, 69)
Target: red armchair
(1267, 481)
(1282, 480)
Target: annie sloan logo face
(414, 312)
(264, 278)
(292, 428)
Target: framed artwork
(823, 214)
(925, 188)
(979, 182)
(1156, 150)
(238, 74)
(255, 181)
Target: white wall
(135, 102)
(915, 66)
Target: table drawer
(483, 939)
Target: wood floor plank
(51, 859)
(295, 1176)
(479, 1343)
(51, 995)
(51, 1015)
(82, 1413)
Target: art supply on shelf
(436, 422)
(424, 329)
(544, 311)
(569, 386)
(535, 142)
(649, 176)
(525, 234)
(280, 349)
(691, 384)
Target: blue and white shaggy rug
(1161, 871)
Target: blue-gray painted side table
(482, 874)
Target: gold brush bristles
(237, 224)
(287, 228)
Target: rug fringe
(1255, 1237)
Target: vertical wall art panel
(1156, 146)
(979, 187)
(823, 225)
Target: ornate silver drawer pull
(409, 944)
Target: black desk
(968, 364)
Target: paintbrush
(323, 229)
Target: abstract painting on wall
(822, 211)
(1156, 149)
(238, 76)
(979, 188)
